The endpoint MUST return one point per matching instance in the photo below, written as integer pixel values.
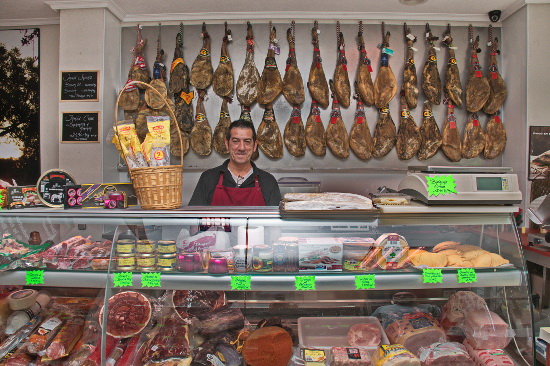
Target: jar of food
(125, 262)
(166, 247)
(262, 260)
(125, 246)
(146, 246)
(146, 260)
(166, 262)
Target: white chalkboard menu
(81, 86)
(80, 127)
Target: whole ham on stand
(496, 82)
(477, 89)
(410, 80)
(431, 83)
(317, 82)
(337, 136)
(360, 139)
(385, 85)
(342, 88)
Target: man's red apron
(227, 196)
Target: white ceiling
(38, 12)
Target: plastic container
(328, 332)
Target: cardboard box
(94, 195)
(320, 254)
(22, 197)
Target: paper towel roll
(255, 235)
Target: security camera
(494, 15)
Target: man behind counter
(237, 182)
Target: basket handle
(172, 115)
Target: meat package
(443, 354)
(455, 310)
(415, 331)
(349, 356)
(488, 357)
(193, 303)
(268, 346)
(394, 355)
(485, 329)
(171, 342)
(317, 82)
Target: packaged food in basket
(156, 146)
(394, 355)
(127, 143)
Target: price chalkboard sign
(80, 86)
(80, 127)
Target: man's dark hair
(240, 123)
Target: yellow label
(187, 97)
(145, 261)
(175, 63)
(171, 248)
(315, 355)
(145, 248)
(126, 261)
(125, 248)
(166, 262)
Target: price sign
(123, 279)
(440, 185)
(466, 275)
(364, 282)
(34, 277)
(432, 275)
(1, 200)
(305, 283)
(241, 283)
(150, 279)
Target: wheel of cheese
(22, 299)
(393, 251)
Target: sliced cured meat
(485, 329)
(342, 88)
(477, 88)
(44, 334)
(365, 86)
(498, 90)
(360, 139)
(336, 134)
(495, 137)
(315, 131)
(128, 313)
(415, 331)
(430, 135)
(446, 353)
(201, 134)
(408, 135)
(270, 140)
(192, 303)
(223, 78)
(385, 134)
(293, 84)
(249, 78)
(294, 134)
(474, 138)
(64, 341)
(365, 335)
(170, 342)
(385, 85)
(451, 144)
(431, 83)
(202, 71)
(218, 140)
(270, 85)
(453, 86)
(317, 82)
(410, 81)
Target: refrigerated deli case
(220, 271)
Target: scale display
(491, 183)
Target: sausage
(65, 340)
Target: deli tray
(328, 332)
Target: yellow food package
(159, 129)
(129, 144)
(386, 353)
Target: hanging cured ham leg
(385, 134)
(360, 139)
(202, 71)
(410, 81)
(270, 85)
(223, 78)
(453, 86)
(317, 82)
(294, 135)
(365, 86)
(498, 91)
(245, 114)
(270, 140)
(201, 134)
(249, 78)
(315, 131)
(495, 137)
(477, 89)
(430, 134)
(451, 145)
(179, 85)
(218, 140)
(342, 88)
(293, 84)
(385, 85)
(337, 136)
(408, 134)
(431, 83)
(473, 142)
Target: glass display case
(184, 284)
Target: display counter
(339, 268)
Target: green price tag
(241, 283)
(441, 185)
(363, 282)
(1, 200)
(34, 277)
(305, 283)
(466, 275)
(150, 279)
(123, 279)
(432, 275)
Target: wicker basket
(159, 187)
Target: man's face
(241, 145)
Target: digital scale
(474, 185)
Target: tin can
(125, 260)
(146, 260)
(279, 257)
(166, 247)
(125, 246)
(262, 261)
(146, 246)
(166, 262)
